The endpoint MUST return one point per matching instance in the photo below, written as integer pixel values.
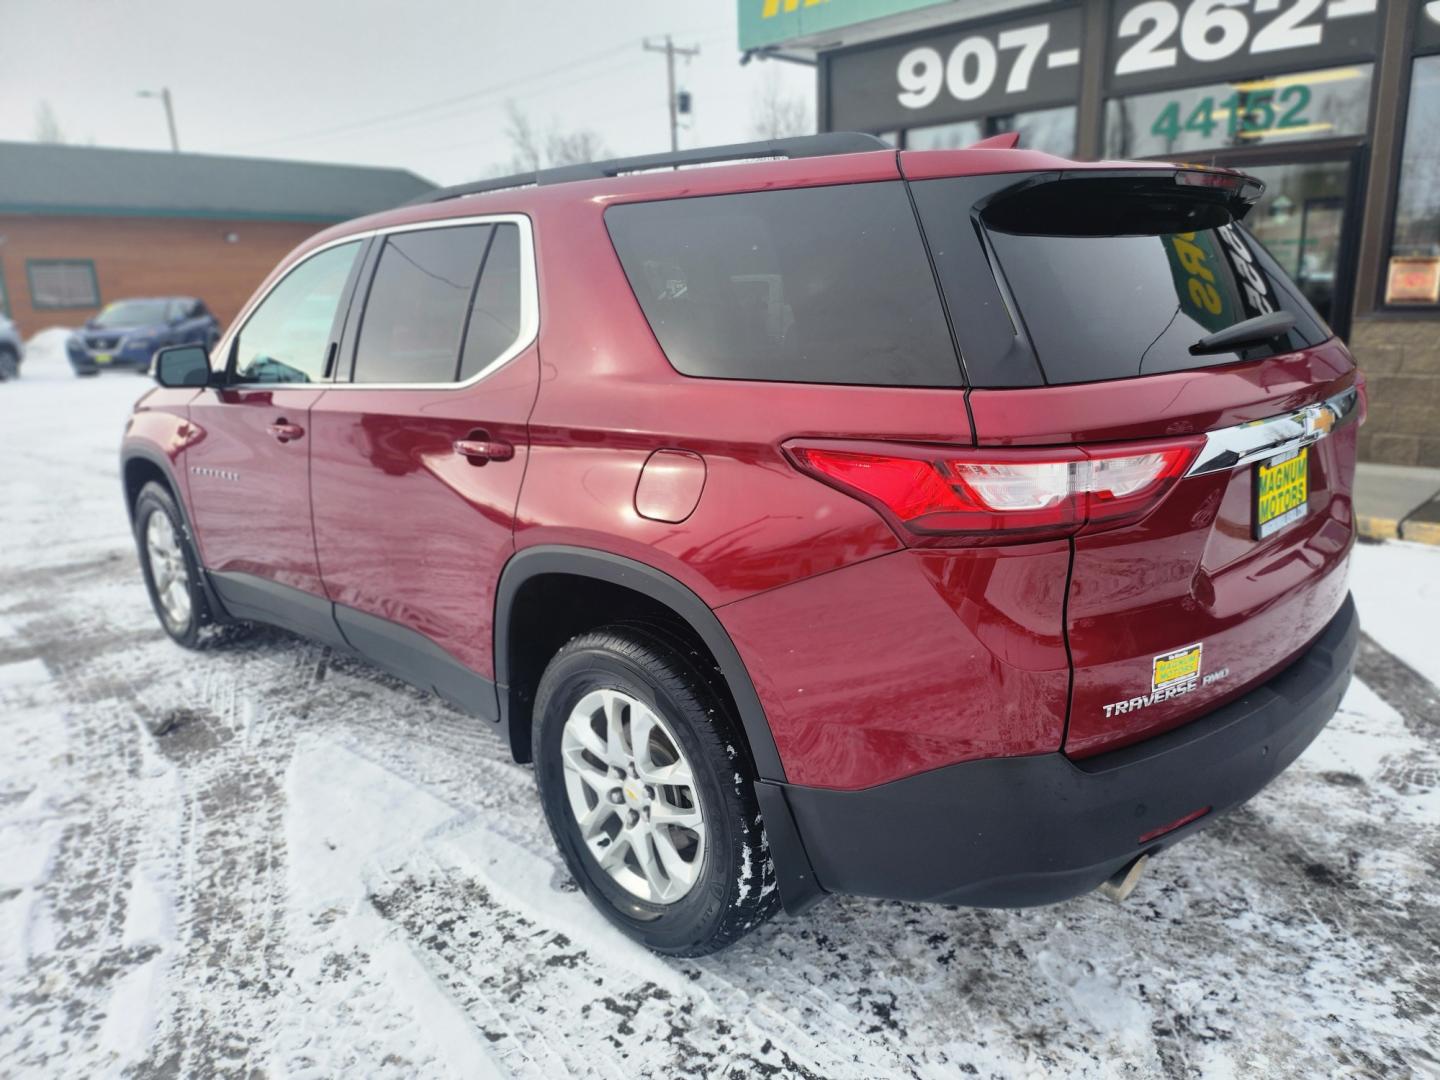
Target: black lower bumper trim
(1012, 832)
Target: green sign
(1250, 115)
(769, 22)
(1201, 283)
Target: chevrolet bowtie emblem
(1319, 419)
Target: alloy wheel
(167, 567)
(632, 793)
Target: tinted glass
(415, 312)
(826, 285)
(1108, 307)
(495, 315)
(286, 337)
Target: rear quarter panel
(608, 398)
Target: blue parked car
(127, 333)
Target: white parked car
(12, 350)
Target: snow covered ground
(269, 860)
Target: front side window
(813, 285)
(1414, 272)
(62, 283)
(286, 337)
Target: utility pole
(671, 51)
(164, 96)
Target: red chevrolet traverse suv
(957, 526)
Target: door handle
(479, 448)
(285, 431)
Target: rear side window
(415, 311)
(443, 305)
(495, 315)
(813, 285)
(1127, 288)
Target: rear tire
(687, 869)
(172, 573)
(9, 363)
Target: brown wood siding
(138, 256)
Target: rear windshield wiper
(1249, 332)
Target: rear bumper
(1017, 831)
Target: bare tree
(575, 148)
(531, 150)
(525, 149)
(775, 114)
(47, 127)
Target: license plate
(102, 357)
(1282, 492)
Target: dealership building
(1334, 104)
(82, 226)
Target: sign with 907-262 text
(1156, 43)
(960, 73)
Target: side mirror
(182, 365)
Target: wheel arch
(140, 465)
(515, 671)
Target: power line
(489, 91)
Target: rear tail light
(975, 495)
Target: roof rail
(800, 146)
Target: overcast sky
(420, 84)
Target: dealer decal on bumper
(1171, 674)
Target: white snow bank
(1397, 589)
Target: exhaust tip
(1122, 884)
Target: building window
(62, 283)
(1050, 130)
(4, 296)
(1242, 112)
(1414, 271)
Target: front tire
(9, 364)
(172, 573)
(649, 800)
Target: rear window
(814, 285)
(1134, 299)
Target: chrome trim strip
(1229, 448)
(529, 306)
